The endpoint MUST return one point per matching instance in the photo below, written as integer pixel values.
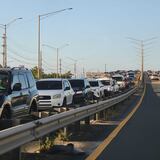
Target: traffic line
(96, 153)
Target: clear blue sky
(96, 31)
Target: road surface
(140, 138)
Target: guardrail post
(97, 116)
(65, 130)
(87, 120)
(105, 114)
(77, 126)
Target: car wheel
(33, 107)
(64, 103)
(6, 114)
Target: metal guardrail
(14, 137)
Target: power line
(22, 61)
(14, 52)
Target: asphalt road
(140, 138)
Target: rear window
(105, 82)
(77, 83)
(119, 79)
(49, 85)
(94, 83)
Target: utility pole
(39, 50)
(4, 51)
(57, 59)
(75, 68)
(40, 73)
(83, 72)
(142, 59)
(5, 26)
(40, 17)
(60, 67)
(105, 68)
(142, 44)
(5, 46)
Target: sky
(97, 32)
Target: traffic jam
(22, 95)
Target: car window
(31, 80)
(94, 83)
(77, 83)
(66, 84)
(15, 80)
(23, 81)
(87, 83)
(49, 85)
(4, 82)
(118, 78)
(100, 83)
(105, 82)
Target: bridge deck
(140, 138)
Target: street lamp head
(70, 8)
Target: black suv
(18, 92)
(82, 89)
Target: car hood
(49, 92)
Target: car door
(67, 92)
(25, 91)
(88, 90)
(101, 87)
(16, 100)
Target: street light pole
(4, 26)
(39, 50)
(57, 59)
(142, 59)
(142, 44)
(5, 46)
(39, 68)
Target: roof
(51, 79)
(105, 78)
(117, 75)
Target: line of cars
(155, 76)
(56, 93)
(20, 94)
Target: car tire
(64, 102)
(6, 114)
(33, 107)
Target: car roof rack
(20, 67)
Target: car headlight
(56, 96)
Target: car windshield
(49, 85)
(94, 83)
(3, 82)
(119, 79)
(105, 82)
(77, 83)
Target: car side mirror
(17, 87)
(87, 86)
